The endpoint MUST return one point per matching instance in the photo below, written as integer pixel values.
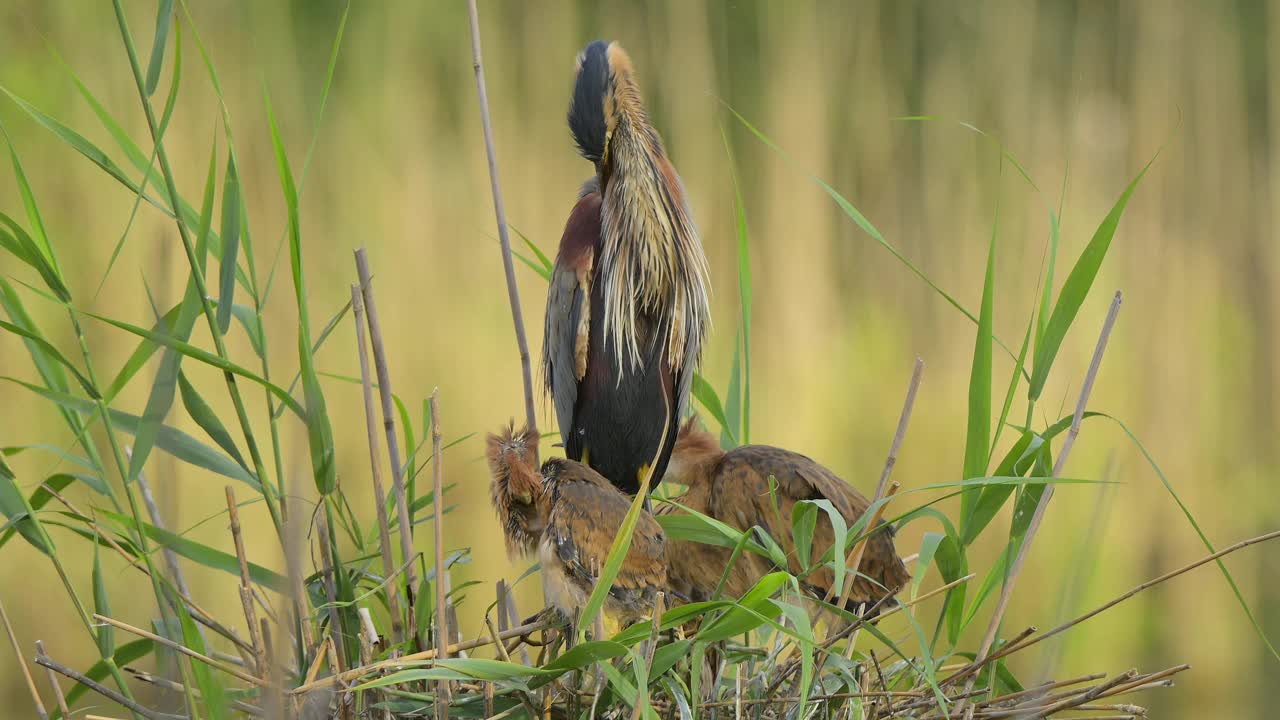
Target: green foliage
(754, 635)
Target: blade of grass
(14, 505)
(230, 244)
(744, 289)
(978, 436)
(706, 394)
(1034, 523)
(173, 441)
(1076, 288)
(861, 221)
(319, 431)
(170, 104)
(208, 421)
(164, 18)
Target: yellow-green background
(1088, 92)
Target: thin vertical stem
(442, 615)
(513, 292)
(22, 663)
(153, 511)
(509, 615)
(246, 585)
(389, 426)
(375, 470)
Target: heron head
(605, 97)
(515, 487)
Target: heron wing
(568, 318)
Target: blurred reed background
(1082, 94)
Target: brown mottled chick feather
(733, 487)
(570, 514)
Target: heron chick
(734, 487)
(567, 514)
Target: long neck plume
(652, 259)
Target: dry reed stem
(53, 683)
(442, 573)
(1045, 688)
(296, 529)
(508, 266)
(1082, 698)
(51, 664)
(246, 585)
(1013, 647)
(151, 679)
(375, 469)
(1006, 592)
(855, 556)
(344, 710)
(22, 663)
(507, 604)
(389, 427)
(327, 570)
(224, 667)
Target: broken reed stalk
(513, 292)
(389, 426)
(507, 605)
(1006, 592)
(375, 469)
(51, 664)
(22, 663)
(152, 679)
(246, 585)
(53, 684)
(855, 556)
(437, 501)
